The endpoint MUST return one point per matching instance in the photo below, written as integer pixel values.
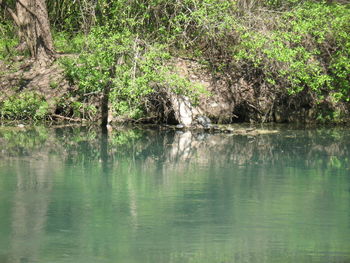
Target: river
(73, 194)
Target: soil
(22, 74)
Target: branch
(67, 118)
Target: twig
(92, 93)
(67, 118)
(253, 107)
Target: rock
(201, 136)
(183, 109)
(180, 126)
(203, 120)
(207, 127)
(216, 128)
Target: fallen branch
(67, 118)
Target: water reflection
(74, 194)
(82, 144)
(28, 209)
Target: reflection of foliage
(125, 137)
(81, 143)
(335, 162)
(152, 190)
(23, 141)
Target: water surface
(76, 195)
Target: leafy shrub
(130, 67)
(67, 43)
(307, 49)
(180, 23)
(24, 106)
(8, 40)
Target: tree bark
(31, 18)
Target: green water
(75, 195)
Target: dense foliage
(26, 106)
(305, 48)
(128, 66)
(292, 46)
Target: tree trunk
(33, 24)
(104, 106)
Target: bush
(67, 43)
(25, 106)
(130, 67)
(8, 40)
(307, 48)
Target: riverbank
(47, 96)
(229, 62)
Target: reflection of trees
(29, 209)
(284, 149)
(142, 193)
(83, 144)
